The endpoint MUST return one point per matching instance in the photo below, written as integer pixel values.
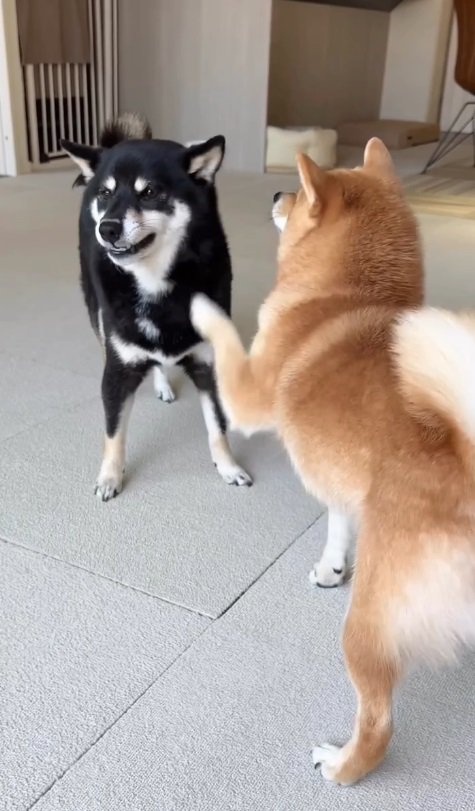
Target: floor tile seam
(182, 653)
(116, 720)
(76, 566)
(273, 562)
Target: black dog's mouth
(133, 249)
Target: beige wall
(197, 68)
(326, 63)
(14, 157)
(415, 62)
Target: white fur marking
(148, 328)
(95, 213)
(151, 267)
(330, 759)
(100, 326)
(110, 479)
(330, 571)
(435, 350)
(140, 184)
(163, 390)
(207, 317)
(279, 221)
(221, 455)
(84, 166)
(132, 354)
(204, 353)
(204, 313)
(110, 183)
(435, 613)
(206, 164)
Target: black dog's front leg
(202, 375)
(119, 384)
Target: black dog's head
(142, 194)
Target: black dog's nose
(110, 230)
(277, 196)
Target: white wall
(326, 64)
(14, 158)
(197, 68)
(415, 60)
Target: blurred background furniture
(395, 134)
(283, 145)
(465, 78)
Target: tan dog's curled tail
(435, 353)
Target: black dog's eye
(104, 192)
(149, 192)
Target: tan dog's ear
(312, 179)
(378, 161)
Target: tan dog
(374, 401)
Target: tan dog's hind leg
(242, 394)
(373, 672)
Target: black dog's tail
(127, 127)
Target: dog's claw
(326, 577)
(105, 492)
(107, 487)
(166, 396)
(236, 476)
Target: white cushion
(283, 145)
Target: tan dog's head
(350, 230)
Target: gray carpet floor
(165, 652)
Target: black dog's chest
(165, 324)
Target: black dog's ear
(86, 157)
(205, 158)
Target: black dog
(150, 237)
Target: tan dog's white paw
(204, 313)
(234, 474)
(330, 759)
(325, 576)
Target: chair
(465, 78)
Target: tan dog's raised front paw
(204, 314)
